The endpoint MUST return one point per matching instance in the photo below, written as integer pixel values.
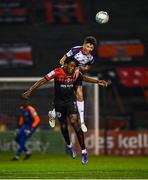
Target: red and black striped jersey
(64, 85)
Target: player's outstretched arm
(82, 69)
(36, 85)
(91, 80)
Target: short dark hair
(91, 40)
(71, 59)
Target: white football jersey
(83, 59)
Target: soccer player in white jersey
(84, 55)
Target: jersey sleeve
(73, 51)
(50, 75)
(35, 116)
(69, 53)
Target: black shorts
(78, 82)
(65, 110)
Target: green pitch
(41, 166)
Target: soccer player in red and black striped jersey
(65, 100)
(84, 54)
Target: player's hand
(26, 94)
(103, 83)
(76, 73)
(27, 132)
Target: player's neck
(83, 52)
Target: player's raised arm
(62, 60)
(36, 85)
(91, 80)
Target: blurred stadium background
(35, 34)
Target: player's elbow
(86, 68)
(61, 62)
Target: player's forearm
(36, 122)
(37, 85)
(90, 80)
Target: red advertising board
(121, 50)
(118, 143)
(133, 76)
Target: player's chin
(87, 52)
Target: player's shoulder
(76, 49)
(53, 73)
(59, 69)
(31, 108)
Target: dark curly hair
(71, 59)
(91, 40)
